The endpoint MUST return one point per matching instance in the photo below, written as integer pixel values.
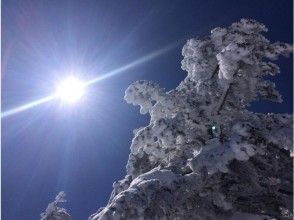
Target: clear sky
(81, 149)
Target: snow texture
(53, 212)
(203, 155)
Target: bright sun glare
(70, 90)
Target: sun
(70, 90)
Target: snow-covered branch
(53, 212)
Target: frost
(229, 57)
(249, 26)
(53, 212)
(165, 177)
(203, 155)
(143, 93)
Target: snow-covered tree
(203, 155)
(53, 212)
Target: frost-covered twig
(53, 212)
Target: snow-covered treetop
(203, 155)
(240, 56)
(225, 73)
(53, 212)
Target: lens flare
(27, 106)
(70, 90)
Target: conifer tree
(203, 155)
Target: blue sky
(82, 149)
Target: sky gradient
(82, 149)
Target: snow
(165, 177)
(229, 57)
(203, 155)
(53, 212)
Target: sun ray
(117, 71)
(134, 63)
(27, 106)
